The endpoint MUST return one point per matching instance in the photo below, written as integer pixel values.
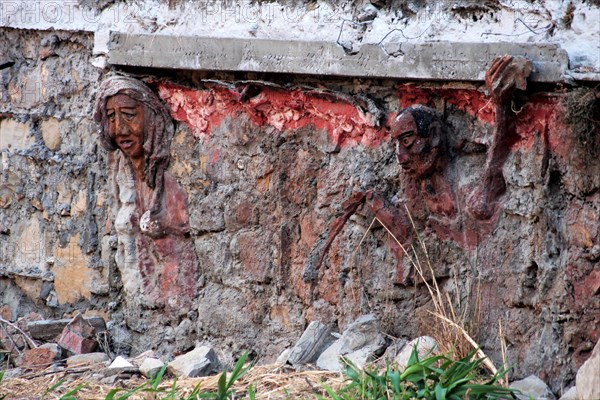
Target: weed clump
(582, 115)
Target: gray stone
(426, 346)
(139, 359)
(329, 360)
(87, 359)
(588, 376)
(359, 343)
(49, 329)
(199, 362)
(12, 373)
(308, 347)
(283, 357)
(570, 394)
(151, 366)
(362, 332)
(394, 350)
(433, 61)
(532, 387)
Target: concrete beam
(421, 61)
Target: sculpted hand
(505, 75)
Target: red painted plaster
(203, 110)
(290, 109)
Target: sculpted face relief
(415, 153)
(126, 125)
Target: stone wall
(266, 168)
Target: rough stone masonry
(267, 162)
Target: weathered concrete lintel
(422, 61)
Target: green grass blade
(157, 379)
(69, 394)
(55, 386)
(111, 394)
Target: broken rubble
(120, 362)
(426, 346)
(48, 329)
(201, 361)
(532, 387)
(570, 394)
(359, 343)
(588, 376)
(310, 344)
(151, 366)
(78, 336)
(87, 359)
(37, 358)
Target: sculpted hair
(423, 117)
(158, 126)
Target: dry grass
(270, 381)
(454, 325)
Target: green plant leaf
(55, 386)
(111, 394)
(157, 379)
(251, 392)
(222, 385)
(440, 392)
(69, 394)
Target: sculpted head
(418, 137)
(133, 120)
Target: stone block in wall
(51, 133)
(72, 276)
(252, 250)
(15, 134)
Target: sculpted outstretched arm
(393, 219)
(503, 78)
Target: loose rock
(532, 387)
(588, 376)
(78, 336)
(570, 394)
(38, 358)
(201, 361)
(150, 367)
(87, 359)
(359, 343)
(426, 346)
(120, 362)
(310, 344)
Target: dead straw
(270, 381)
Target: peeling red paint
(291, 109)
(471, 101)
(203, 110)
(538, 117)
